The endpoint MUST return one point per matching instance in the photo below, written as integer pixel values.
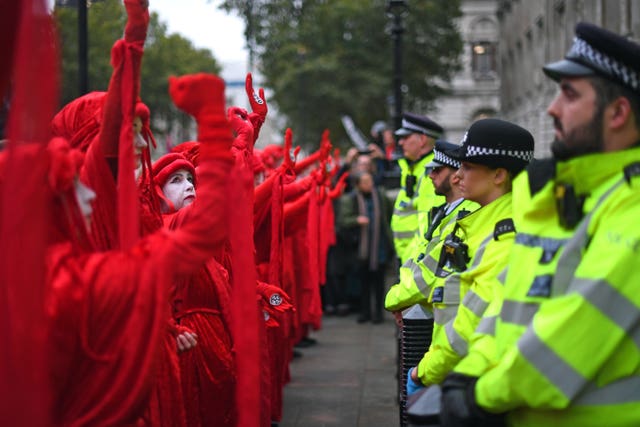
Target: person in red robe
(108, 310)
(113, 129)
(200, 304)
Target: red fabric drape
(244, 307)
(27, 33)
(109, 311)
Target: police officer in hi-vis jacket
(564, 346)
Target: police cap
(415, 123)
(596, 51)
(497, 144)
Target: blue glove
(412, 386)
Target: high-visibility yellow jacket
(567, 340)
(460, 301)
(418, 274)
(410, 212)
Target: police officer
(566, 343)
(416, 197)
(473, 254)
(418, 274)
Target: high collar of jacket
(487, 215)
(588, 172)
(422, 160)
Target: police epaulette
(462, 213)
(631, 171)
(503, 226)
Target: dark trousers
(371, 285)
(333, 290)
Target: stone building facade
(506, 43)
(536, 32)
(474, 91)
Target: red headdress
(190, 149)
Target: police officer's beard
(580, 141)
(444, 188)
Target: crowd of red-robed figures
(128, 310)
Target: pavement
(347, 379)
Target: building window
(483, 61)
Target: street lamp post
(396, 9)
(83, 43)
(83, 48)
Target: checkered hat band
(474, 151)
(584, 51)
(419, 129)
(440, 157)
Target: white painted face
(84, 197)
(179, 189)
(139, 143)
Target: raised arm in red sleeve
(321, 154)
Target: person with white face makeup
(174, 179)
(106, 311)
(179, 189)
(200, 303)
(85, 197)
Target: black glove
(459, 407)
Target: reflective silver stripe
(487, 325)
(477, 257)
(442, 315)
(475, 303)
(422, 285)
(520, 313)
(549, 245)
(610, 302)
(572, 254)
(570, 258)
(558, 372)
(502, 277)
(403, 234)
(625, 390)
(411, 265)
(416, 193)
(431, 263)
(457, 343)
(405, 212)
(452, 289)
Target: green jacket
(418, 274)
(567, 341)
(410, 212)
(350, 231)
(460, 301)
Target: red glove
(137, 20)
(325, 145)
(276, 297)
(289, 158)
(258, 104)
(202, 96)
(240, 124)
(257, 101)
(337, 190)
(320, 174)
